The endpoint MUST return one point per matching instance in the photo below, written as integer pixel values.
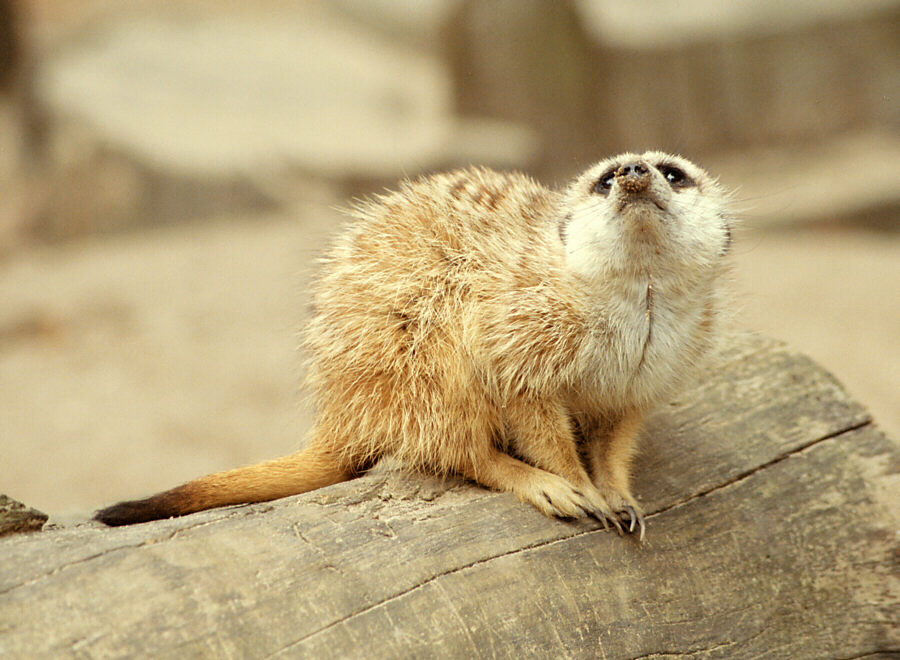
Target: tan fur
(480, 324)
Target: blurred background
(169, 170)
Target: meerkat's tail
(309, 469)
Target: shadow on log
(773, 512)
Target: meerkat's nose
(634, 177)
(633, 169)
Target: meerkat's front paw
(556, 497)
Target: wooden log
(772, 502)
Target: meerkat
(477, 323)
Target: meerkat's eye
(604, 183)
(675, 176)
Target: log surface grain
(772, 532)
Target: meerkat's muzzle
(634, 182)
(633, 177)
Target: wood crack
(420, 585)
(749, 473)
(682, 654)
(704, 650)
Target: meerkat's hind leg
(609, 455)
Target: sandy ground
(131, 363)
(834, 295)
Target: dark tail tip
(157, 507)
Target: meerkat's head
(639, 211)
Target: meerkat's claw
(636, 520)
(598, 515)
(604, 513)
(606, 519)
(553, 507)
(627, 511)
(617, 525)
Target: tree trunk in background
(592, 86)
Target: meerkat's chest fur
(645, 331)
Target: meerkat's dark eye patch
(603, 185)
(675, 176)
